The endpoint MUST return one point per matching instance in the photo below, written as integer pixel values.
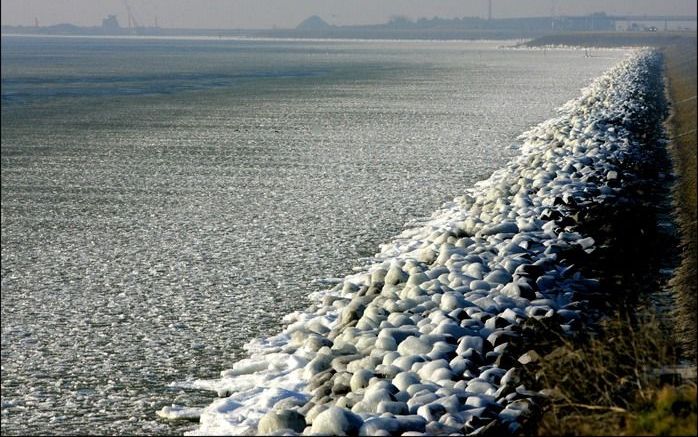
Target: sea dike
(429, 337)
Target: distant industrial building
(639, 24)
(110, 23)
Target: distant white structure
(640, 24)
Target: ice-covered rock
(275, 421)
(336, 421)
(413, 345)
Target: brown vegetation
(611, 384)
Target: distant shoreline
(513, 42)
(610, 39)
(367, 33)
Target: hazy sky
(288, 13)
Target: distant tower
(156, 22)
(36, 22)
(552, 14)
(489, 10)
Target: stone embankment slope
(430, 337)
(679, 50)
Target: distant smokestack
(552, 14)
(489, 9)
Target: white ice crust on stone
(408, 344)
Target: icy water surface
(165, 201)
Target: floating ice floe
(179, 412)
(427, 339)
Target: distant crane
(132, 23)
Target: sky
(260, 14)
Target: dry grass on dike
(681, 77)
(609, 384)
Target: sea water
(166, 200)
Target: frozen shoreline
(426, 339)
